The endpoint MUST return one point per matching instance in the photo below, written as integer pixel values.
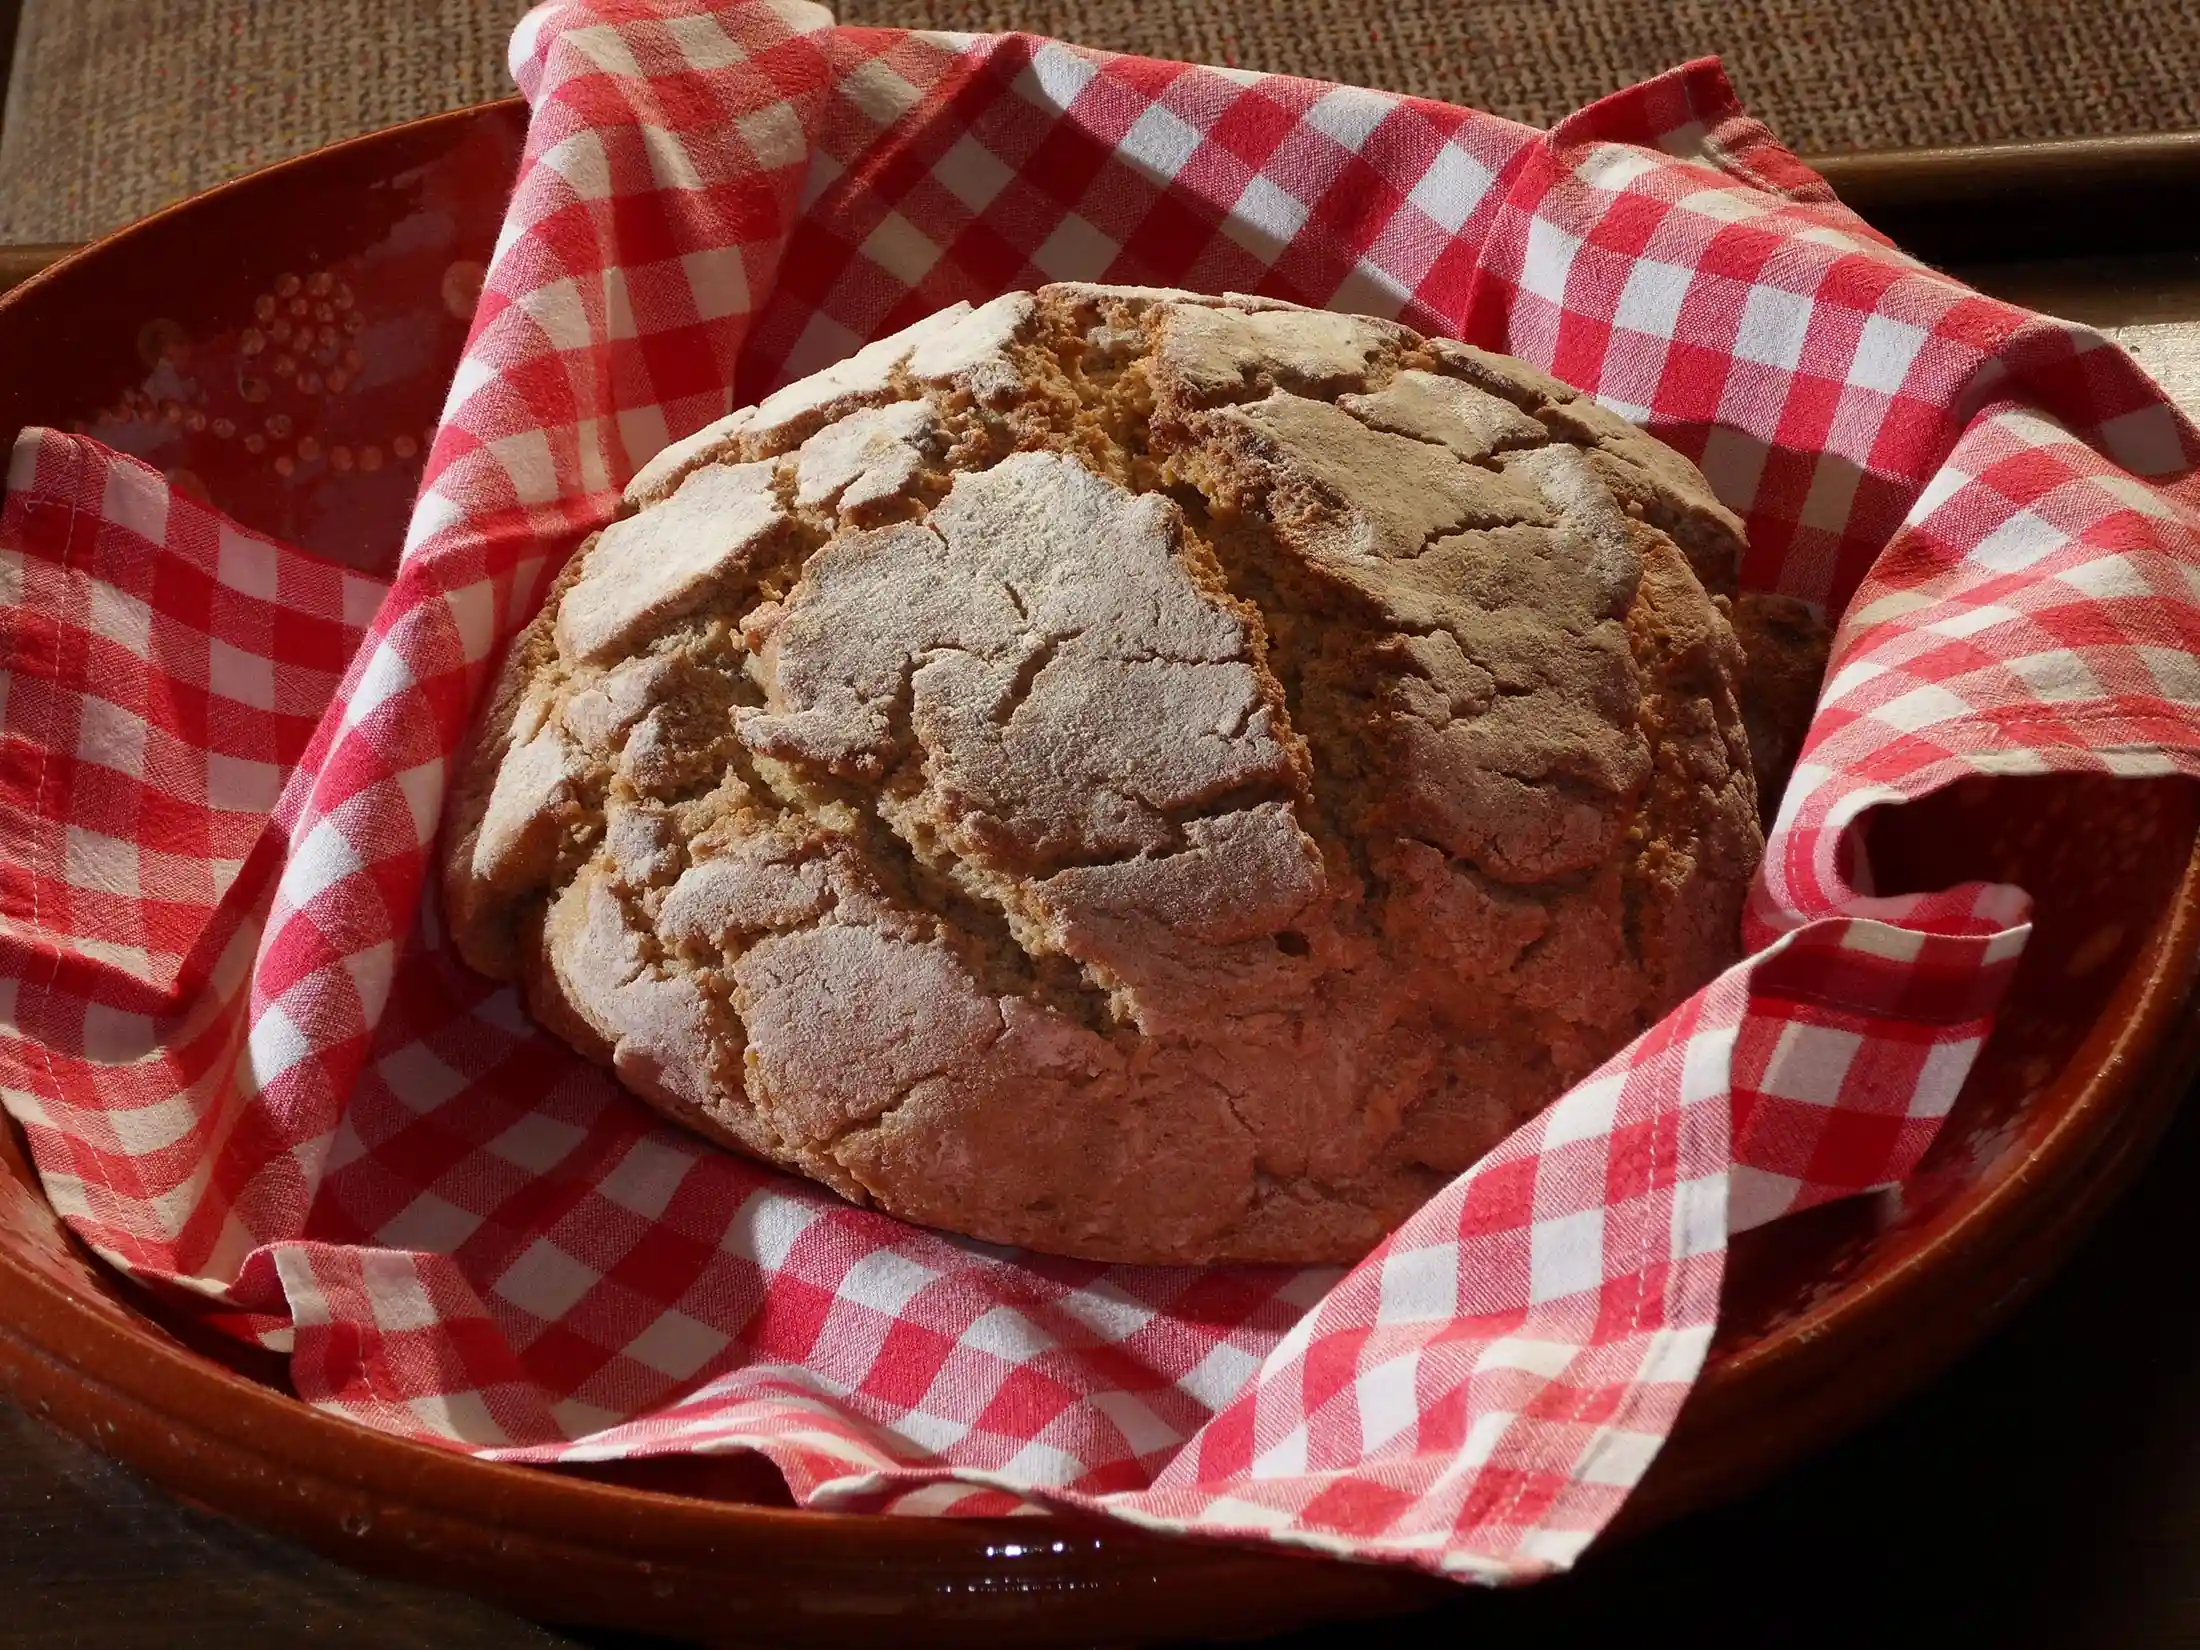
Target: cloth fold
(252, 1075)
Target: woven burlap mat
(117, 106)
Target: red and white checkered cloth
(252, 1076)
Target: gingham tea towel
(252, 1075)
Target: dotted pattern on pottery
(298, 354)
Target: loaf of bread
(1143, 776)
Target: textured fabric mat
(118, 106)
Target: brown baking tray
(1828, 1318)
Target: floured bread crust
(1143, 776)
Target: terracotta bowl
(282, 345)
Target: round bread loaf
(1144, 776)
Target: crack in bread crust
(1143, 776)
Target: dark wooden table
(2044, 1493)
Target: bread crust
(1143, 776)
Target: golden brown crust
(1147, 777)
(1786, 643)
(479, 910)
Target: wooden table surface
(2045, 1493)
